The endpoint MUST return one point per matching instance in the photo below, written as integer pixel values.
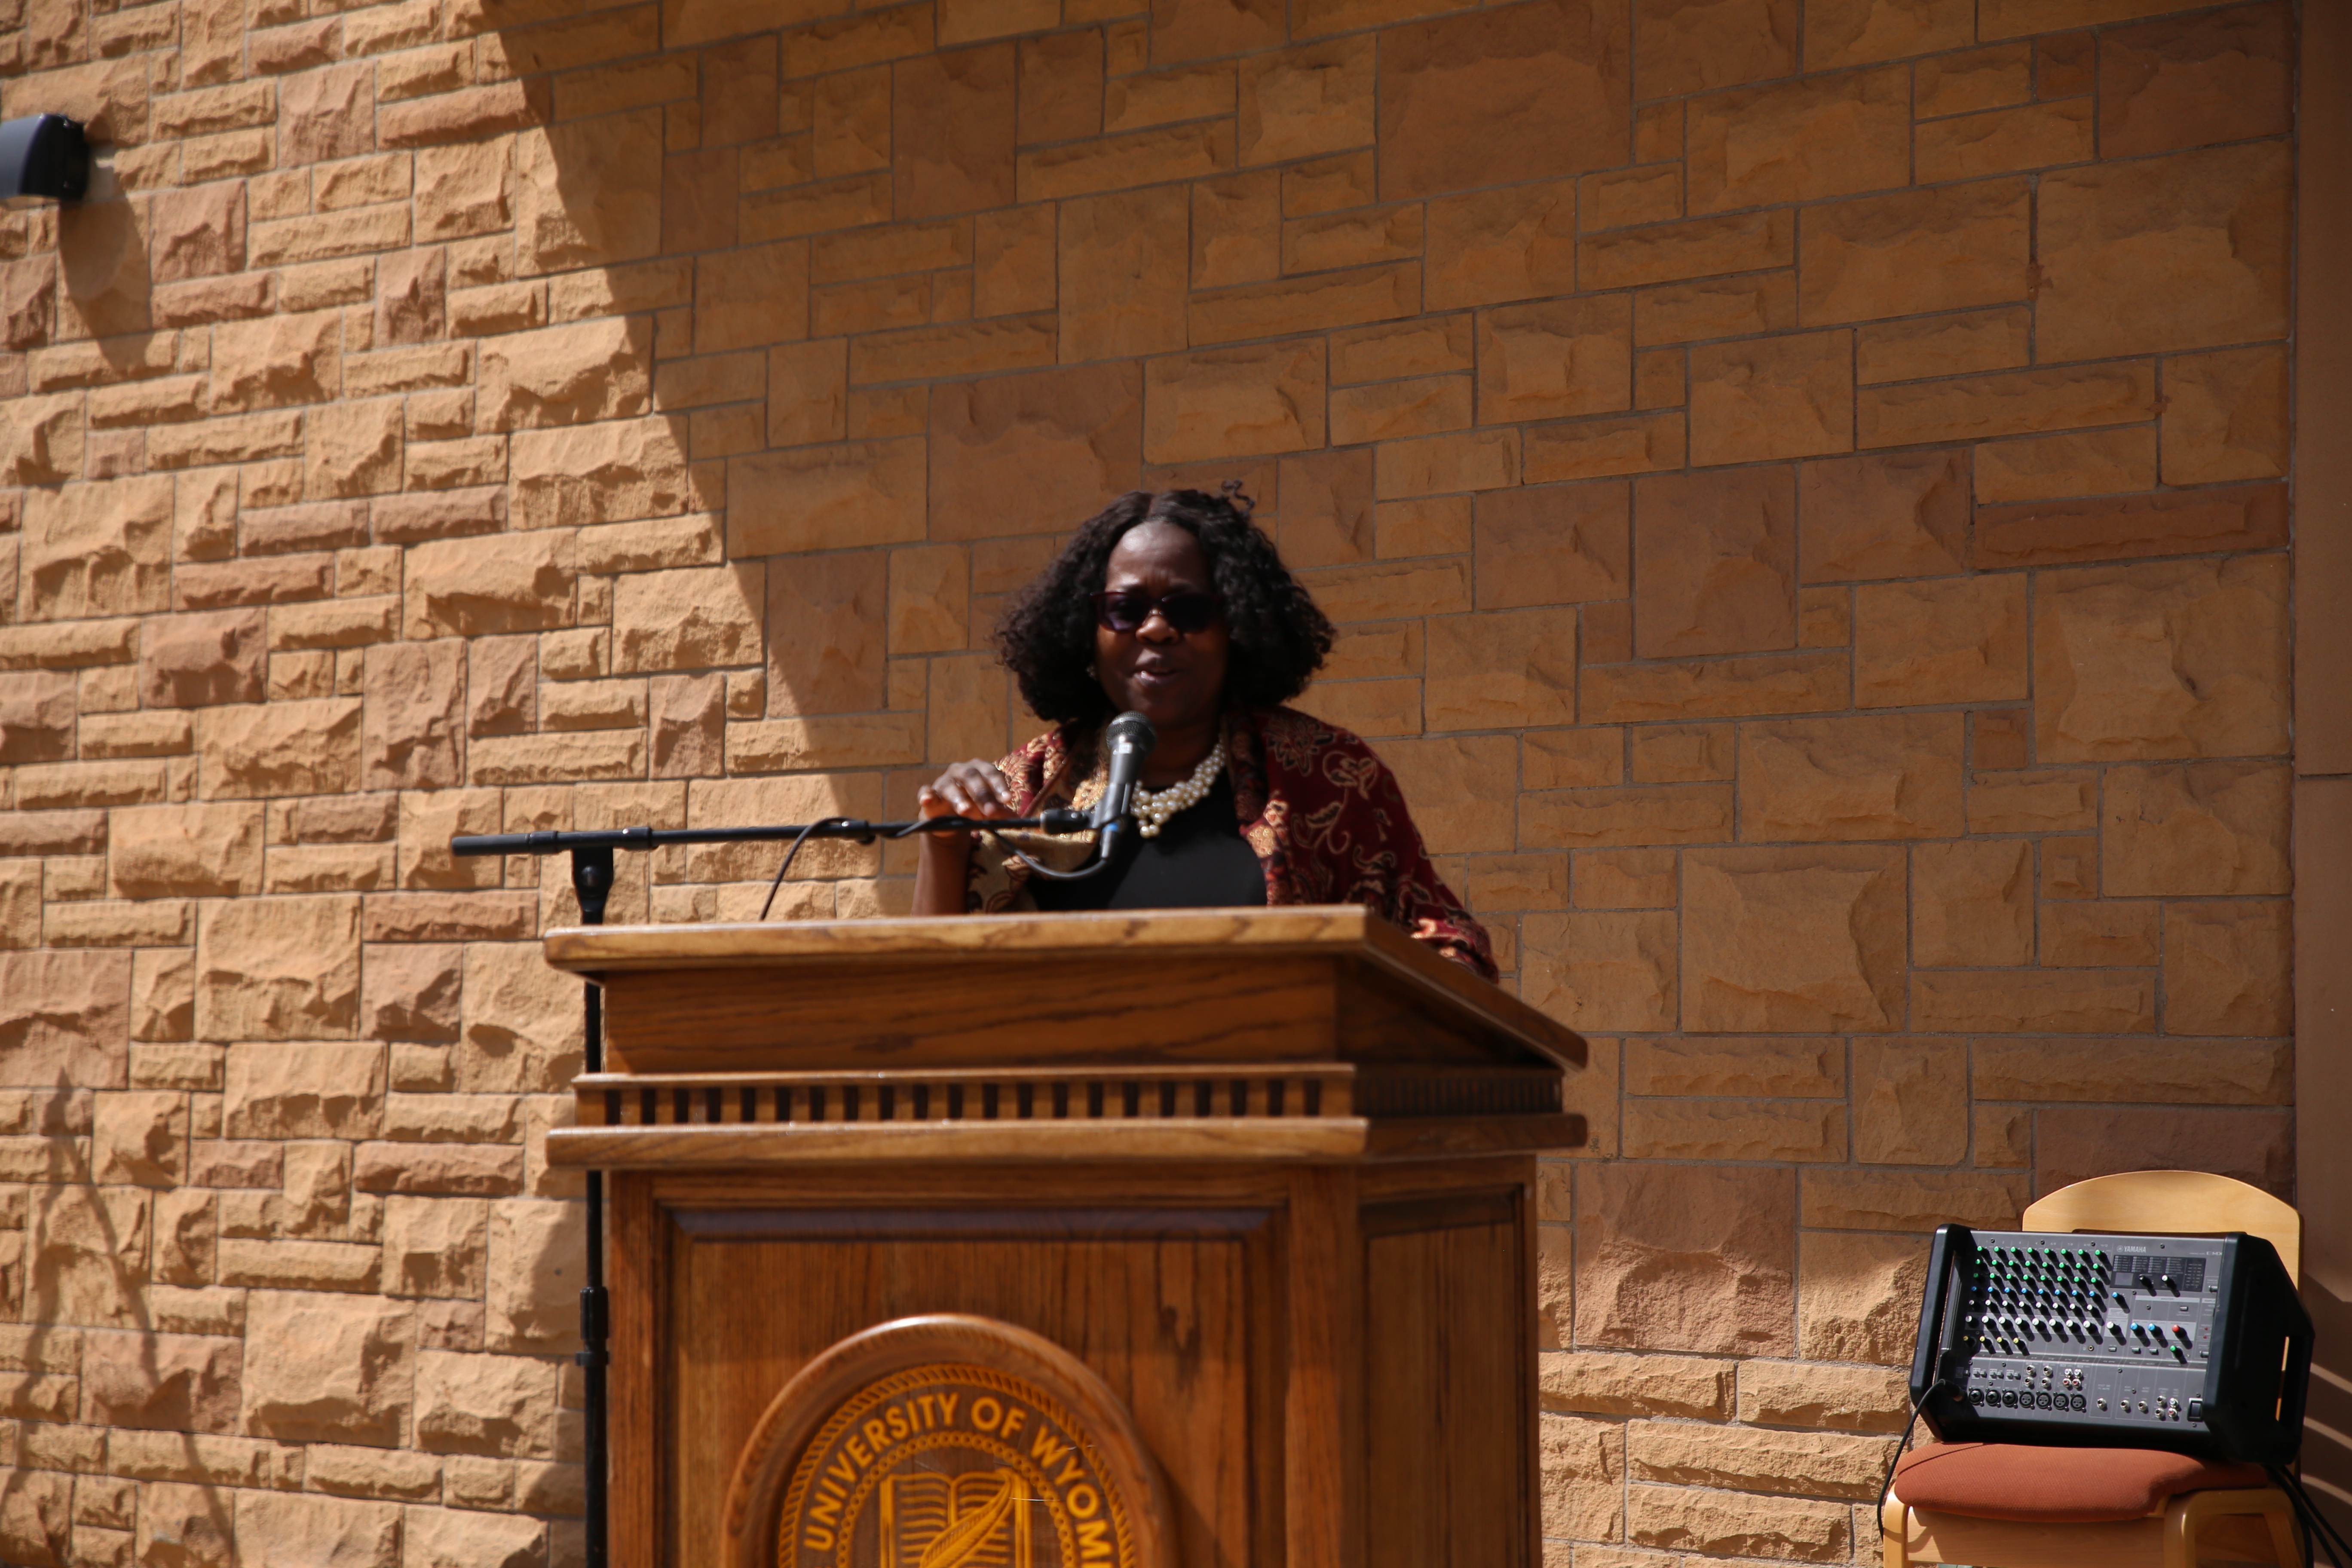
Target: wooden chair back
(2175, 1202)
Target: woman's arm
(943, 866)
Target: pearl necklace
(1154, 808)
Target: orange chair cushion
(2056, 1486)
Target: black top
(1198, 861)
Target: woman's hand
(973, 789)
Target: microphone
(1131, 739)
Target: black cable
(2314, 1524)
(1900, 1442)
(795, 849)
(1037, 867)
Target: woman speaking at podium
(1176, 606)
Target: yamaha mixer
(2195, 1343)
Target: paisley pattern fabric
(1324, 814)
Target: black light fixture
(44, 156)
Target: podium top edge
(1340, 932)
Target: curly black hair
(1279, 638)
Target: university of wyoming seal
(946, 1442)
(952, 1466)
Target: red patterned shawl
(1324, 814)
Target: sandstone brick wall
(1802, 487)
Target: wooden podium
(1237, 1208)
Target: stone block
(1328, 517)
(1181, 31)
(612, 472)
(1312, 303)
(1833, 135)
(1556, 68)
(2192, 81)
(1305, 101)
(1716, 688)
(2012, 404)
(1602, 1383)
(1123, 274)
(1603, 971)
(436, 1246)
(953, 132)
(537, 1266)
(1972, 903)
(1863, 776)
(175, 1382)
(488, 1405)
(96, 548)
(1686, 48)
(320, 1090)
(277, 361)
(2225, 416)
(690, 619)
(1773, 1068)
(438, 1169)
(1912, 1201)
(409, 735)
(2226, 969)
(1911, 1101)
(2031, 136)
(1946, 248)
(2106, 935)
(1810, 1464)
(2168, 659)
(1785, 397)
(69, 1018)
(1857, 32)
(2071, 1144)
(475, 587)
(1583, 1470)
(750, 296)
(1396, 409)
(1954, 344)
(1595, 449)
(46, 441)
(37, 1518)
(197, 231)
(141, 1139)
(1552, 545)
(37, 717)
(1462, 784)
(2183, 251)
(201, 659)
(446, 1537)
(1067, 439)
(1560, 358)
(409, 992)
(248, 751)
(1715, 562)
(1734, 1130)
(2163, 1071)
(183, 1526)
(1501, 669)
(370, 1472)
(2073, 1002)
(826, 652)
(824, 497)
(1654, 814)
(561, 223)
(1858, 1297)
(1483, 247)
(2079, 463)
(565, 375)
(521, 1021)
(1956, 639)
(1809, 1394)
(2196, 830)
(1220, 403)
(1686, 1259)
(1793, 939)
(302, 1530)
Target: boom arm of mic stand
(1057, 821)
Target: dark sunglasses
(1186, 610)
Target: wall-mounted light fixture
(44, 156)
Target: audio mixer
(2195, 1343)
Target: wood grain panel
(1164, 1320)
(1447, 1476)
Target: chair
(2103, 1508)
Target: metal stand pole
(591, 881)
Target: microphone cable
(2315, 1526)
(1901, 1443)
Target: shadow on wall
(84, 1262)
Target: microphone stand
(592, 883)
